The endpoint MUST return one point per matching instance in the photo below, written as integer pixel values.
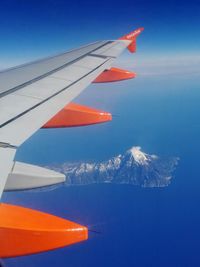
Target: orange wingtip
(74, 115)
(24, 231)
(132, 37)
(114, 75)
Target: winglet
(132, 37)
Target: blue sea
(139, 227)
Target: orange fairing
(76, 115)
(24, 231)
(114, 75)
(132, 37)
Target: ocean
(138, 227)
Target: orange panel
(76, 115)
(132, 37)
(24, 231)
(114, 75)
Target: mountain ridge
(133, 167)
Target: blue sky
(31, 29)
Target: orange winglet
(24, 231)
(114, 75)
(132, 37)
(77, 115)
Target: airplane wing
(31, 94)
(38, 95)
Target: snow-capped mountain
(133, 167)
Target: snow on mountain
(133, 167)
(139, 156)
